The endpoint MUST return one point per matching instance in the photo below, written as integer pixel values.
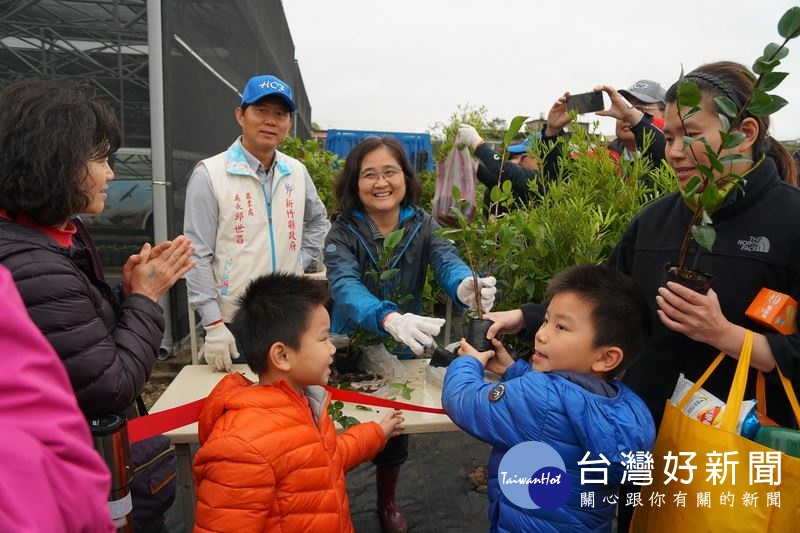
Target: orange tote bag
(760, 493)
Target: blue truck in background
(417, 145)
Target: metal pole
(157, 141)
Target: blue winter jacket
(548, 408)
(351, 252)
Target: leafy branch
(705, 192)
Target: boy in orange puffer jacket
(270, 459)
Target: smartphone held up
(586, 102)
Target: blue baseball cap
(260, 86)
(520, 148)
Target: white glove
(218, 347)
(467, 135)
(466, 292)
(414, 331)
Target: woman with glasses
(377, 192)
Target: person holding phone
(637, 110)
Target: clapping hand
(153, 271)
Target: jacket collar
(235, 391)
(762, 177)
(240, 162)
(406, 212)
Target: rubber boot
(392, 519)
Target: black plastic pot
(690, 278)
(475, 333)
(442, 357)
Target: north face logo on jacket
(754, 244)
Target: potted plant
(480, 239)
(706, 192)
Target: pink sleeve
(51, 478)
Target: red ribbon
(154, 424)
(358, 397)
(157, 423)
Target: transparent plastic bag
(377, 359)
(457, 170)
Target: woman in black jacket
(55, 140)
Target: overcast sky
(403, 65)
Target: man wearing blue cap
(519, 168)
(250, 210)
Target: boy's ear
(609, 358)
(278, 357)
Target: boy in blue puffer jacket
(566, 396)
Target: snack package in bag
(457, 170)
(707, 408)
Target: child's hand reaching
(465, 348)
(391, 424)
(501, 360)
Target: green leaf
(348, 421)
(363, 408)
(759, 100)
(733, 158)
(692, 112)
(776, 103)
(456, 192)
(705, 171)
(706, 219)
(726, 105)
(771, 80)
(732, 139)
(407, 393)
(337, 404)
(704, 236)
(688, 141)
(389, 274)
(397, 385)
(513, 129)
(789, 25)
(713, 159)
(711, 197)
(688, 94)
(393, 239)
(774, 51)
(725, 124)
(496, 195)
(761, 66)
(691, 187)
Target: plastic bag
(706, 407)
(457, 170)
(377, 359)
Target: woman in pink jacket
(51, 478)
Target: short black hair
(620, 314)
(275, 308)
(50, 129)
(345, 188)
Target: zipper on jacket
(268, 203)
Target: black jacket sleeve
(656, 149)
(518, 176)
